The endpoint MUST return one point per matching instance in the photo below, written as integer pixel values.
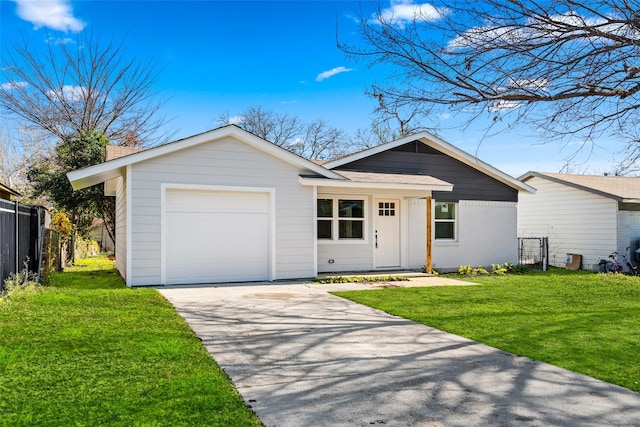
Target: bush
(467, 270)
(499, 269)
(21, 281)
(360, 279)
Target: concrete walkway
(302, 357)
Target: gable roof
(439, 145)
(108, 170)
(620, 188)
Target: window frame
(453, 221)
(336, 219)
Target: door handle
(376, 239)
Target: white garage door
(216, 236)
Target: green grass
(588, 323)
(88, 351)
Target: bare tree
(570, 68)
(87, 85)
(274, 127)
(18, 149)
(315, 140)
(321, 142)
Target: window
(325, 218)
(445, 221)
(343, 218)
(386, 209)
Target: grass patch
(88, 351)
(580, 321)
(361, 279)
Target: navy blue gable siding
(416, 158)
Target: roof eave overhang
(532, 174)
(81, 179)
(102, 172)
(373, 185)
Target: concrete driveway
(302, 357)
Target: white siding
(359, 256)
(224, 162)
(628, 231)
(485, 235)
(575, 221)
(337, 256)
(121, 226)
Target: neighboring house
(227, 206)
(7, 193)
(587, 215)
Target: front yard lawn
(584, 322)
(88, 351)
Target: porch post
(428, 262)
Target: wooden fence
(22, 231)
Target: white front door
(387, 233)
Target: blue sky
(220, 57)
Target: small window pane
(325, 208)
(324, 229)
(351, 229)
(445, 230)
(445, 210)
(351, 208)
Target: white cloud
(54, 14)
(504, 105)
(403, 12)
(539, 30)
(60, 40)
(12, 85)
(539, 84)
(236, 120)
(332, 72)
(69, 93)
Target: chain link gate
(533, 252)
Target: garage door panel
(216, 201)
(205, 242)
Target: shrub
(21, 281)
(507, 268)
(361, 279)
(467, 270)
(499, 269)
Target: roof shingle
(619, 187)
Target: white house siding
(340, 256)
(121, 226)
(485, 235)
(575, 221)
(628, 231)
(359, 256)
(225, 162)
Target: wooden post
(428, 263)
